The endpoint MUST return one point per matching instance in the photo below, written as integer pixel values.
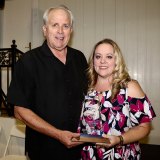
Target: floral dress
(113, 118)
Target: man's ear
(44, 30)
(71, 30)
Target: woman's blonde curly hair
(121, 76)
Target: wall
(133, 24)
(1, 26)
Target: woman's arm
(135, 133)
(138, 132)
(132, 135)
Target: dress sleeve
(141, 110)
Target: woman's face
(104, 60)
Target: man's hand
(65, 137)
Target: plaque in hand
(91, 139)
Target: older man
(47, 90)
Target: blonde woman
(124, 112)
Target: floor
(150, 152)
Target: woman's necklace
(100, 95)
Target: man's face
(58, 29)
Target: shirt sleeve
(141, 110)
(21, 89)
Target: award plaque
(91, 139)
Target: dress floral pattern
(113, 118)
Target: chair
(17, 131)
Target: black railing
(8, 59)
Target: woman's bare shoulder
(135, 90)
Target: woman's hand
(113, 140)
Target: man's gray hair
(46, 13)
